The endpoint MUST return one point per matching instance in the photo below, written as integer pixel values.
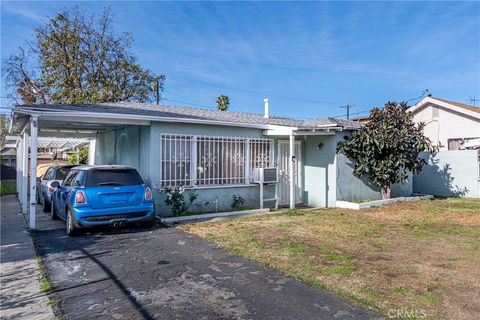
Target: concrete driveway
(165, 273)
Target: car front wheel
(72, 230)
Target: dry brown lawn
(420, 257)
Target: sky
(308, 58)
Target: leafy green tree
(387, 147)
(76, 58)
(83, 156)
(223, 102)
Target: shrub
(176, 200)
(237, 202)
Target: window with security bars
(260, 153)
(189, 160)
(176, 166)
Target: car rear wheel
(46, 205)
(150, 223)
(53, 211)
(72, 230)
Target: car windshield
(61, 173)
(113, 177)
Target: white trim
(195, 217)
(25, 144)
(378, 203)
(33, 170)
(430, 100)
(299, 172)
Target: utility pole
(473, 100)
(348, 110)
(157, 88)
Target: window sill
(217, 186)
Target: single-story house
(9, 157)
(211, 152)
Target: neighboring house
(9, 157)
(213, 152)
(449, 125)
(454, 127)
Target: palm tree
(223, 102)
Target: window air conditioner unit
(265, 175)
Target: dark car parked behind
(44, 184)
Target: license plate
(118, 198)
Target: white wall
(443, 124)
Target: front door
(284, 172)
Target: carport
(42, 126)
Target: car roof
(103, 167)
(68, 166)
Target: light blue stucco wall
(322, 181)
(353, 188)
(449, 173)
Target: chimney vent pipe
(265, 113)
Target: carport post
(91, 152)
(24, 172)
(18, 167)
(33, 169)
(292, 170)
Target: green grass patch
(7, 188)
(338, 270)
(371, 296)
(337, 257)
(293, 248)
(258, 245)
(400, 290)
(45, 284)
(431, 297)
(293, 213)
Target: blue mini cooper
(102, 195)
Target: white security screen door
(284, 172)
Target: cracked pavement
(166, 273)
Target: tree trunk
(385, 190)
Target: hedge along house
(212, 152)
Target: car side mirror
(55, 184)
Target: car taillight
(148, 193)
(80, 198)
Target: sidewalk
(21, 297)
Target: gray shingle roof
(142, 109)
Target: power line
(425, 92)
(189, 103)
(208, 85)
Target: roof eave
(55, 112)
